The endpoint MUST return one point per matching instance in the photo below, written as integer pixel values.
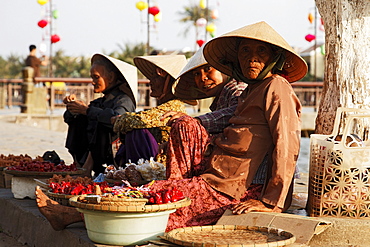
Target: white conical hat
(222, 51)
(185, 86)
(128, 72)
(172, 64)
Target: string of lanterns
(202, 22)
(54, 38)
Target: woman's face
(253, 56)
(157, 83)
(209, 80)
(100, 80)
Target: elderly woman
(90, 132)
(190, 135)
(265, 125)
(142, 131)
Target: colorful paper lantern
(310, 37)
(200, 42)
(310, 18)
(42, 47)
(153, 10)
(141, 5)
(214, 14)
(211, 27)
(203, 4)
(201, 22)
(322, 49)
(158, 17)
(55, 14)
(54, 38)
(42, 23)
(42, 2)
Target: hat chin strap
(166, 83)
(278, 63)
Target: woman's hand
(173, 116)
(253, 205)
(114, 119)
(69, 98)
(77, 107)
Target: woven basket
(229, 235)
(63, 199)
(42, 174)
(131, 205)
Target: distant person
(35, 62)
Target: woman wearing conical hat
(90, 132)
(138, 128)
(266, 124)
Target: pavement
(21, 221)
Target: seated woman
(90, 131)
(143, 131)
(188, 142)
(266, 123)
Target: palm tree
(191, 14)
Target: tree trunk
(347, 69)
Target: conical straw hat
(222, 50)
(128, 72)
(172, 64)
(185, 86)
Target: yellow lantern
(42, 2)
(141, 5)
(202, 4)
(158, 17)
(310, 18)
(211, 27)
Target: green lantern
(55, 14)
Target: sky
(86, 27)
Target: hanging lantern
(203, 4)
(42, 2)
(322, 21)
(55, 14)
(212, 35)
(42, 48)
(321, 28)
(322, 49)
(310, 37)
(153, 10)
(310, 18)
(211, 27)
(54, 38)
(200, 42)
(201, 22)
(214, 14)
(158, 17)
(42, 23)
(141, 5)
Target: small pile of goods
(42, 166)
(12, 160)
(142, 172)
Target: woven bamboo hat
(172, 64)
(128, 73)
(185, 86)
(221, 52)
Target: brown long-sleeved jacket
(266, 121)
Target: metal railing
(309, 93)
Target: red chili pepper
(166, 196)
(158, 198)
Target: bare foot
(59, 216)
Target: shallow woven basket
(60, 198)
(43, 174)
(130, 205)
(229, 235)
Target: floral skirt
(207, 205)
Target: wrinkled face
(99, 77)
(157, 83)
(209, 80)
(253, 56)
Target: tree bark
(347, 68)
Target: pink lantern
(310, 37)
(153, 10)
(54, 38)
(200, 42)
(201, 22)
(42, 23)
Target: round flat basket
(130, 205)
(229, 235)
(133, 183)
(61, 198)
(42, 174)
